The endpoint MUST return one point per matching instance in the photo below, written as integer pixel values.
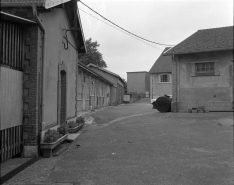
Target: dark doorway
(63, 97)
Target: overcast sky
(162, 21)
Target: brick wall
(31, 65)
(31, 85)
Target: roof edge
(91, 71)
(183, 53)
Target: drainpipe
(232, 83)
(37, 19)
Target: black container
(163, 104)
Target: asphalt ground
(136, 145)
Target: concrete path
(136, 145)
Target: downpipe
(37, 19)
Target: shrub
(80, 120)
(72, 124)
(62, 129)
(51, 136)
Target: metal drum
(163, 104)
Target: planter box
(75, 129)
(47, 147)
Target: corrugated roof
(163, 64)
(215, 39)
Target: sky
(163, 21)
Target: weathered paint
(11, 98)
(213, 92)
(54, 23)
(159, 89)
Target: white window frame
(159, 78)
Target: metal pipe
(37, 19)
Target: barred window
(164, 78)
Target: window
(206, 68)
(165, 78)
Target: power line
(123, 28)
(120, 30)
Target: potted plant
(52, 138)
(74, 126)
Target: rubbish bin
(163, 103)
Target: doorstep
(71, 137)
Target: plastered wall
(54, 23)
(159, 89)
(213, 92)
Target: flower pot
(47, 147)
(75, 129)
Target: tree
(93, 55)
(125, 86)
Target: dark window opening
(165, 78)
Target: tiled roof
(163, 64)
(138, 72)
(104, 70)
(215, 39)
(92, 71)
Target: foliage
(73, 124)
(51, 136)
(62, 129)
(92, 56)
(125, 86)
(80, 120)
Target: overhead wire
(123, 28)
(120, 30)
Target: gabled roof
(106, 71)
(163, 64)
(215, 39)
(138, 72)
(81, 65)
(72, 11)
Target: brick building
(40, 44)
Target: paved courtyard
(136, 145)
